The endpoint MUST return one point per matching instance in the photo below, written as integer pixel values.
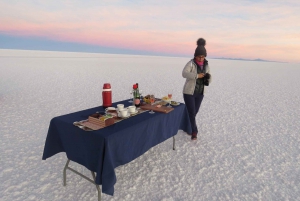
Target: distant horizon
(141, 54)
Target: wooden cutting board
(163, 109)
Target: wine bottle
(137, 97)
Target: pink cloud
(241, 31)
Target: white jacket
(190, 73)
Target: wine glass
(130, 100)
(152, 100)
(170, 98)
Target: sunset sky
(265, 29)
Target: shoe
(194, 136)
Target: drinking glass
(131, 100)
(170, 97)
(152, 100)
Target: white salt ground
(248, 147)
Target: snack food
(101, 120)
(174, 103)
(166, 99)
(147, 99)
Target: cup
(124, 112)
(110, 108)
(132, 109)
(120, 106)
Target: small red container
(107, 95)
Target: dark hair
(201, 41)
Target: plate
(110, 108)
(112, 114)
(136, 111)
(128, 115)
(175, 104)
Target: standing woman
(197, 75)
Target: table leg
(64, 172)
(85, 177)
(97, 186)
(173, 142)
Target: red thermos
(106, 95)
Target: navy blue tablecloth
(103, 150)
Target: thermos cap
(106, 86)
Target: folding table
(103, 150)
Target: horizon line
(130, 54)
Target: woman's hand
(200, 75)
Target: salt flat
(248, 148)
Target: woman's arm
(186, 73)
(208, 71)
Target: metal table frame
(93, 174)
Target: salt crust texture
(248, 146)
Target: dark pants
(193, 103)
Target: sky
(268, 30)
